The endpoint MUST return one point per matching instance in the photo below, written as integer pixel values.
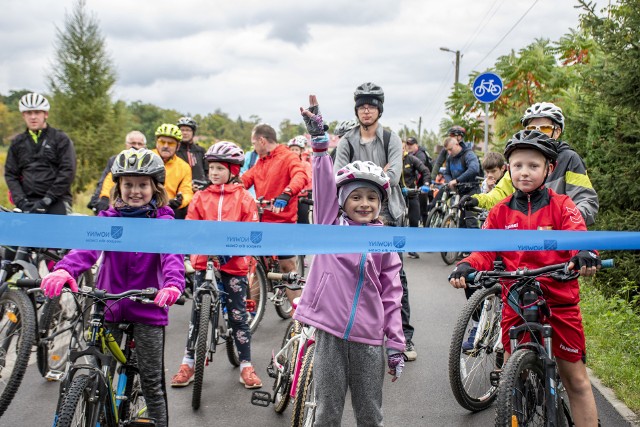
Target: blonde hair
(159, 192)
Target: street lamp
(419, 123)
(457, 52)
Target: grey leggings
(340, 364)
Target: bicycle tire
(304, 406)
(55, 317)
(434, 218)
(282, 383)
(301, 267)
(521, 392)
(449, 257)
(134, 406)
(469, 371)
(201, 348)
(232, 351)
(257, 292)
(284, 310)
(17, 336)
(76, 408)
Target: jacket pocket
(324, 280)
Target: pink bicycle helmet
(225, 151)
(365, 171)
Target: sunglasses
(170, 144)
(547, 129)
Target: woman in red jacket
(225, 200)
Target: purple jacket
(352, 296)
(121, 271)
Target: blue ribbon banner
(245, 238)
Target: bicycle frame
(305, 338)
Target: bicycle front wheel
(521, 395)
(469, 370)
(256, 293)
(17, 335)
(449, 257)
(304, 406)
(201, 348)
(77, 409)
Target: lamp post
(419, 122)
(457, 52)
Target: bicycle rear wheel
(449, 257)
(77, 409)
(282, 384)
(17, 335)
(469, 370)
(521, 395)
(304, 406)
(201, 348)
(256, 293)
(133, 406)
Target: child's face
(218, 173)
(362, 205)
(494, 174)
(296, 149)
(528, 169)
(136, 191)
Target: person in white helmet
(41, 162)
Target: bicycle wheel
(521, 395)
(17, 335)
(77, 409)
(227, 332)
(449, 257)
(201, 348)
(434, 219)
(133, 406)
(282, 384)
(304, 405)
(256, 293)
(469, 370)
(283, 305)
(302, 269)
(61, 319)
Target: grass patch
(612, 329)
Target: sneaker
(184, 377)
(468, 344)
(410, 351)
(413, 255)
(249, 378)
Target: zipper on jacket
(220, 202)
(354, 306)
(529, 211)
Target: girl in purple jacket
(138, 193)
(352, 299)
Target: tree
(80, 82)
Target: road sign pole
(486, 127)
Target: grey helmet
(345, 126)
(141, 162)
(369, 93)
(188, 121)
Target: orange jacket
(228, 202)
(273, 173)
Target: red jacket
(273, 173)
(228, 202)
(543, 210)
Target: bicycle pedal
(261, 398)
(494, 378)
(54, 375)
(140, 422)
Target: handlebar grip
(182, 300)
(28, 283)
(471, 276)
(608, 263)
(286, 277)
(306, 201)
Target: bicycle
(453, 217)
(208, 310)
(292, 368)
(529, 390)
(408, 192)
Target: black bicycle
(530, 391)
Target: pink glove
(167, 296)
(53, 283)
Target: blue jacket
(463, 167)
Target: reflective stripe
(577, 179)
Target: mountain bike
(408, 192)
(438, 212)
(209, 327)
(292, 369)
(453, 217)
(530, 391)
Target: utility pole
(457, 52)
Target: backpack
(386, 138)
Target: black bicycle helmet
(457, 130)
(188, 121)
(535, 140)
(141, 162)
(369, 93)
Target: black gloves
(468, 202)
(101, 205)
(175, 203)
(41, 206)
(586, 259)
(315, 125)
(25, 205)
(462, 270)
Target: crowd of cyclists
(370, 178)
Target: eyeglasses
(546, 129)
(366, 107)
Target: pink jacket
(352, 296)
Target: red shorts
(568, 334)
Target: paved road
(421, 397)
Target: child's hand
(458, 276)
(588, 262)
(53, 283)
(313, 118)
(167, 296)
(396, 365)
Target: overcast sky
(249, 57)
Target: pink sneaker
(249, 378)
(184, 377)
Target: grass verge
(612, 329)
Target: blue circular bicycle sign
(487, 87)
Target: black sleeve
(66, 169)
(12, 174)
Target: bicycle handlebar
(306, 201)
(291, 280)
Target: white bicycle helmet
(298, 141)
(544, 109)
(365, 171)
(33, 102)
(142, 162)
(344, 127)
(225, 151)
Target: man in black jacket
(41, 162)
(417, 151)
(191, 152)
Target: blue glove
(396, 365)
(281, 201)
(405, 191)
(425, 189)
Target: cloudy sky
(264, 57)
